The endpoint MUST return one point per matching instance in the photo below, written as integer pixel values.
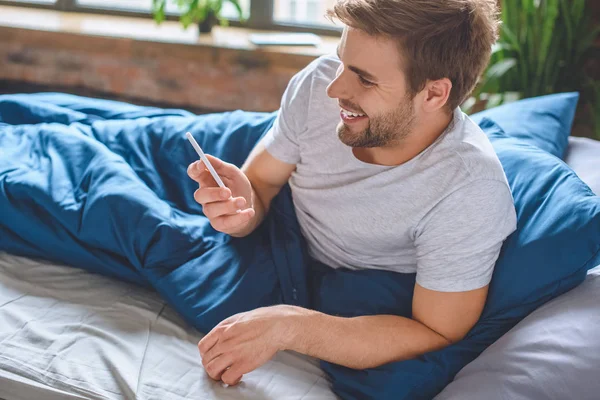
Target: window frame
(261, 15)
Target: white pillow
(553, 354)
(583, 155)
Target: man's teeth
(351, 114)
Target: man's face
(376, 108)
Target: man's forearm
(361, 342)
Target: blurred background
(202, 55)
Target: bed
(69, 334)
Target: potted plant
(205, 13)
(544, 47)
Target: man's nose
(337, 89)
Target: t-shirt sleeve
(458, 241)
(282, 140)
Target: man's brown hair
(436, 38)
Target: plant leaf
(158, 10)
(238, 8)
(545, 46)
(501, 46)
(493, 74)
(586, 43)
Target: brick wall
(197, 77)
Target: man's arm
(267, 175)
(245, 341)
(269, 170)
(439, 319)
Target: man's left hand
(245, 341)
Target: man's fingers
(199, 173)
(194, 170)
(231, 376)
(224, 208)
(218, 366)
(207, 342)
(224, 169)
(206, 195)
(211, 354)
(231, 222)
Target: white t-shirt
(443, 214)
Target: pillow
(558, 232)
(543, 121)
(554, 353)
(583, 156)
(556, 242)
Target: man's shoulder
(325, 65)
(466, 180)
(306, 95)
(469, 149)
(318, 74)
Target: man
(409, 184)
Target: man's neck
(422, 136)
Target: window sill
(147, 30)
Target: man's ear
(436, 94)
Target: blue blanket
(102, 186)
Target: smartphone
(204, 159)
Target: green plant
(196, 11)
(595, 107)
(542, 49)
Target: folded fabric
(543, 121)
(112, 196)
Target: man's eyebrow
(362, 73)
(357, 70)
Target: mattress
(69, 334)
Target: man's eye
(365, 82)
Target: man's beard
(383, 130)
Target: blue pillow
(557, 240)
(543, 121)
(558, 230)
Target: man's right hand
(230, 210)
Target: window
(296, 15)
(131, 5)
(36, 1)
(305, 12)
(146, 6)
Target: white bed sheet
(69, 334)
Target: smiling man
(386, 173)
